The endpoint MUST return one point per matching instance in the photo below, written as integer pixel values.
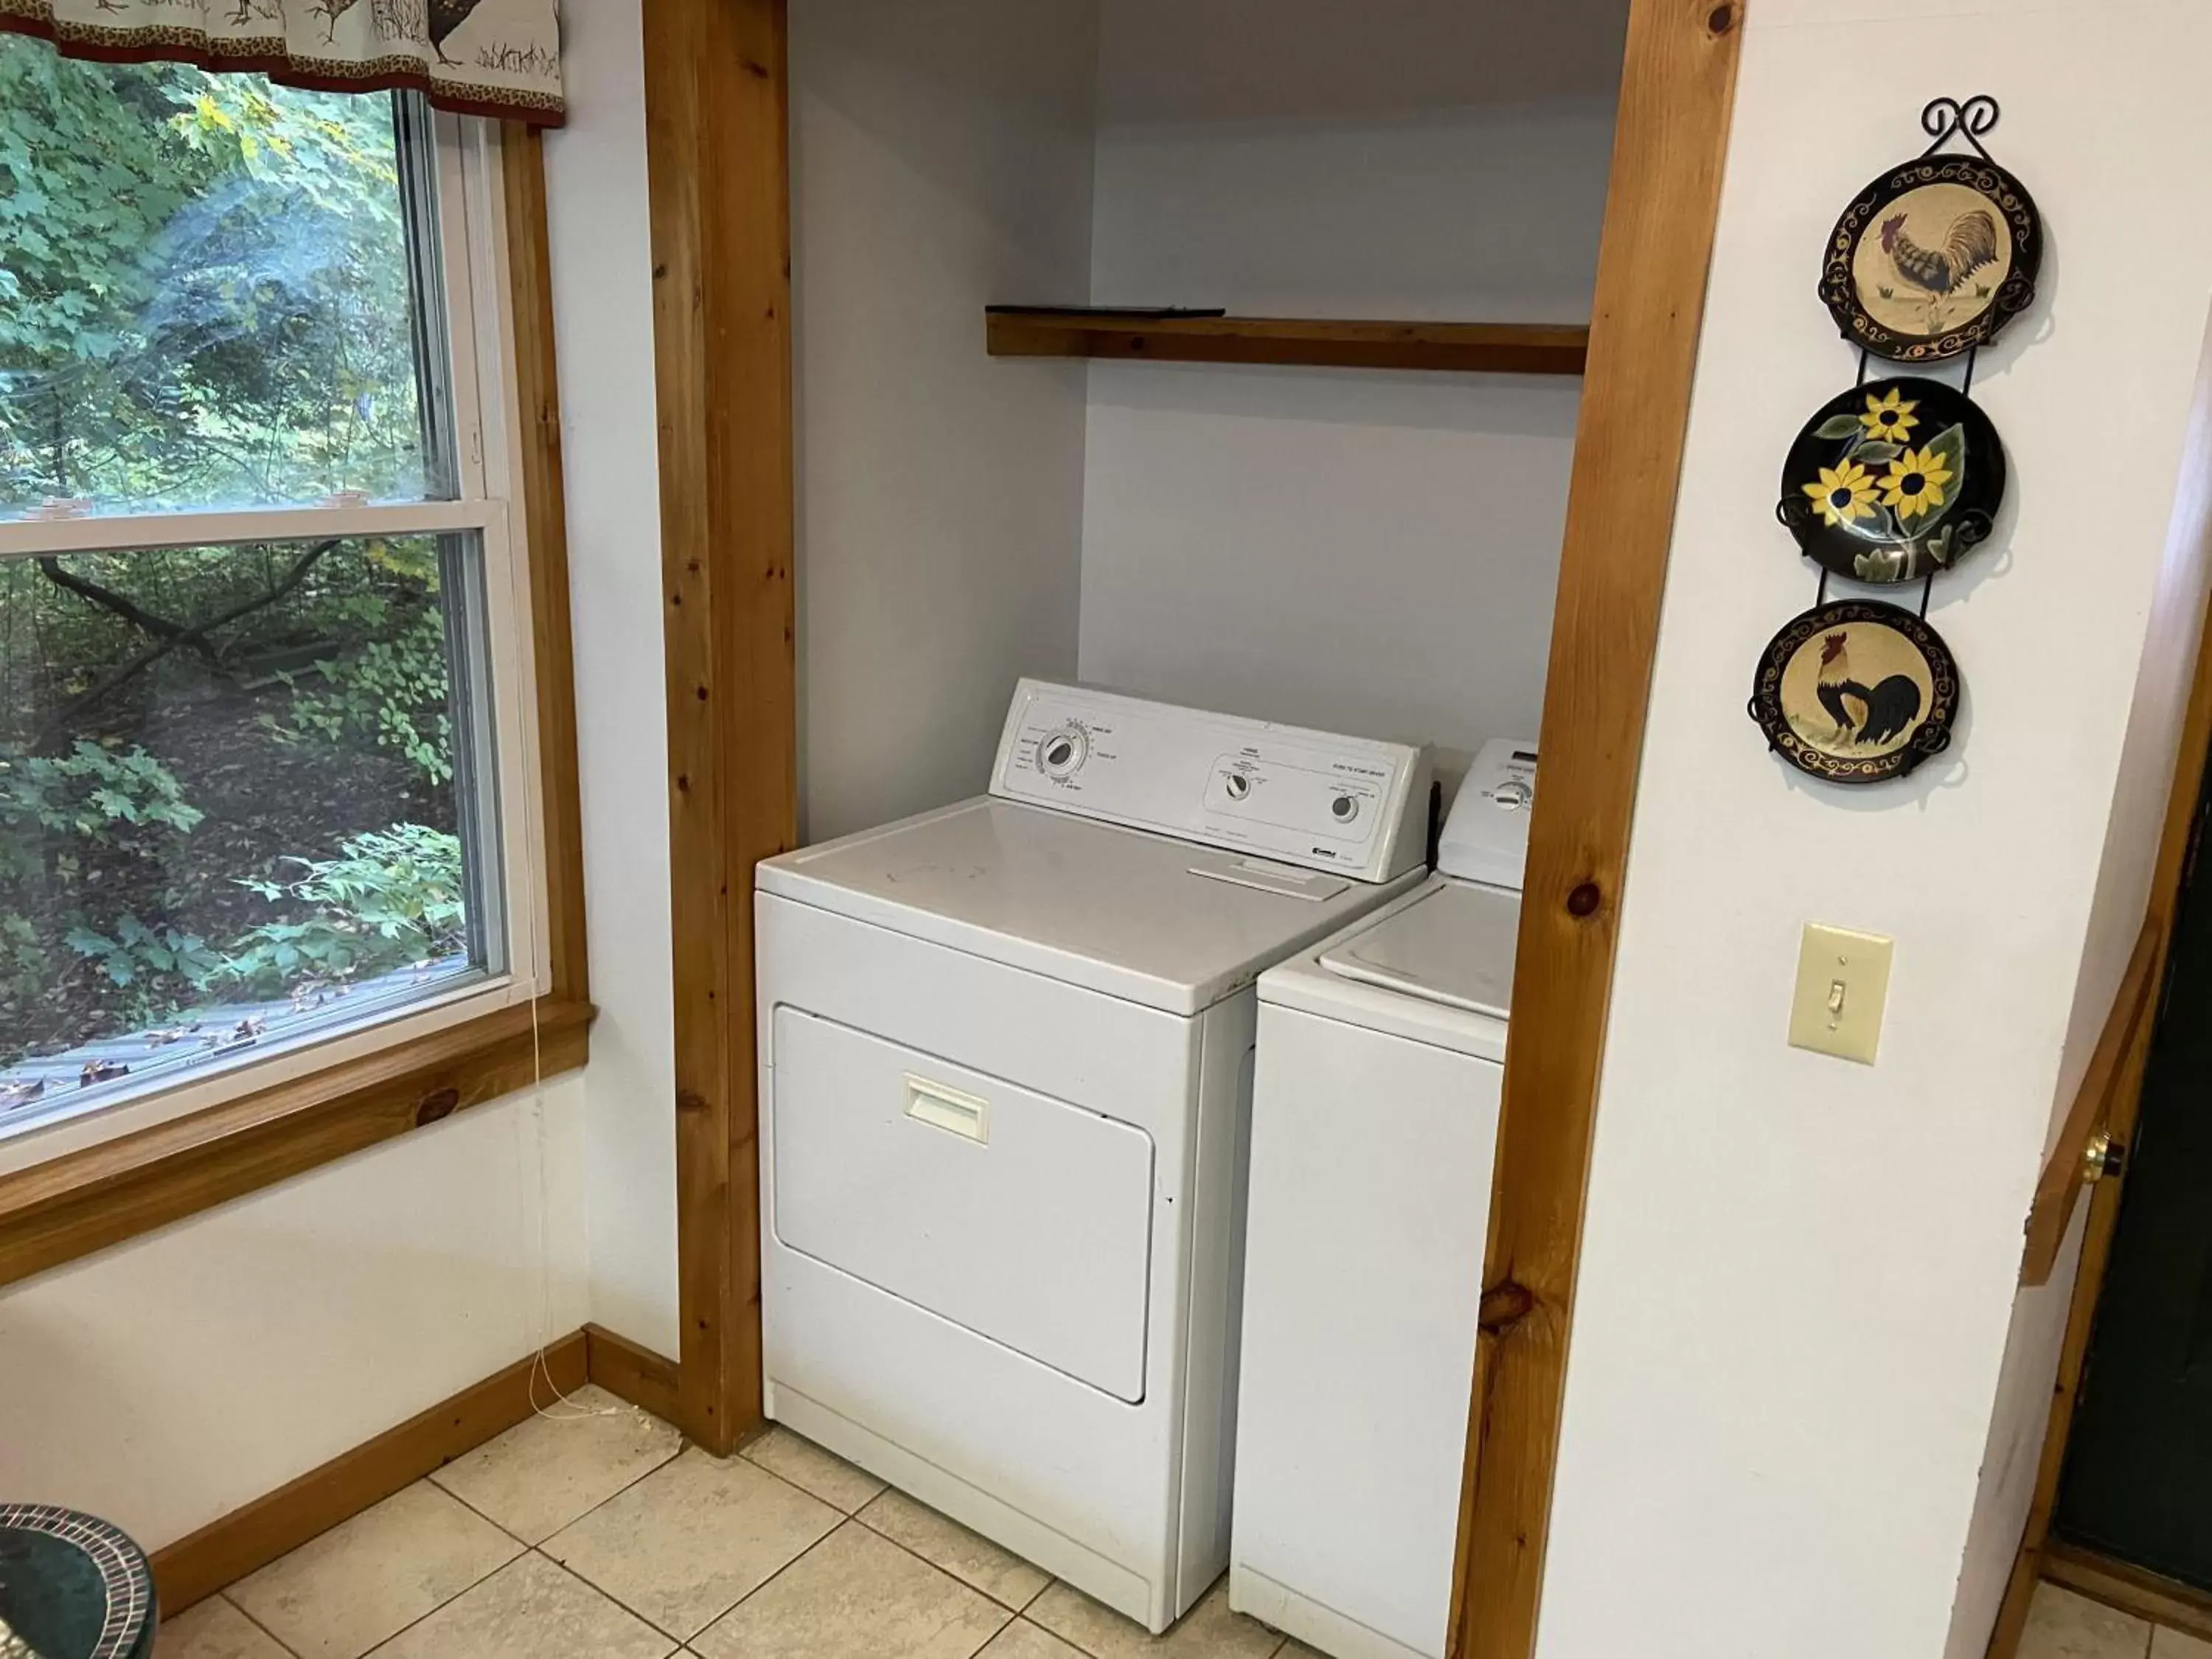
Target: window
(265, 746)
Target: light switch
(1843, 982)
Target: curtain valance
(497, 57)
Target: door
(2138, 1485)
(1018, 1217)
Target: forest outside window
(265, 746)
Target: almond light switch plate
(1843, 985)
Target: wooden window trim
(55, 1211)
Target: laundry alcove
(1364, 549)
(1262, 519)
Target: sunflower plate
(1893, 481)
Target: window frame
(82, 1183)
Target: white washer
(1381, 1051)
(1006, 1070)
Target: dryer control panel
(1310, 799)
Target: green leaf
(1876, 452)
(1838, 426)
(1949, 447)
(1881, 564)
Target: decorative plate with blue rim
(1893, 481)
(72, 1587)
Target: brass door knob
(2103, 1158)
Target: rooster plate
(1856, 691)
(1932, 259)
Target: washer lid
(1453, 946)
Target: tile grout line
(779, 1571)
(681, 1445)
(682, 1644)
(606, 1594)
(224, 1595)
(1050, 1579)
(383, 1641)
(844, 1516)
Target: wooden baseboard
(229, 1547)
(630, 1372)
(2131, 1589)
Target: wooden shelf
(1478, 348)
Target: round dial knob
(1344, 808)
(1237, 785)
(1512, 794)
(1062, 753)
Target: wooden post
(1677, 92)
(718, 162)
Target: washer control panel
(1486, 834)
(1310, 799)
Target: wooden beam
(1475, 347)
(1677, 93)
(2064, 1171)
(716, 98)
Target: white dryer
(1382, 1053)
(1005, 1069)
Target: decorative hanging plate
(1936, 256)
(1857, 692)
(1893, 481)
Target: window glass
(207, 296)
(243, 792)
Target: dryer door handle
(943, 1108)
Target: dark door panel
(2138, 1478)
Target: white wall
(1374, 552)
(166, 1381)
(1799, 1280)
(941, 157)
(603, 325)
(2140, 794)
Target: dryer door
(1016, 1216)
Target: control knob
(1061, 754)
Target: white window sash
(487, 437)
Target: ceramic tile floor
(2064, 1626)
(601, 1536)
